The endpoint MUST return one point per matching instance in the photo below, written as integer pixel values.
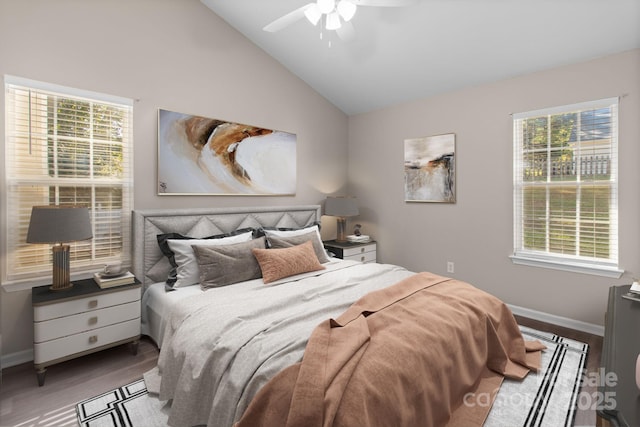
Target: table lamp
(58, 225)
(342, 207)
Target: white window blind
(66, 147)
(566, 187)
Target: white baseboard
(18, 358)
(558, 320)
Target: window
(565, 188)
(65, 147)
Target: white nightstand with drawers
(363, 252)
(82, 320)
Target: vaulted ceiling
(406, 53)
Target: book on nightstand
(363, 238)
(108, 281)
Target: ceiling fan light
(346, 9)
(333, 21)
(313, 14)
(326, 6)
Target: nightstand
(82, 320)
(363, 252)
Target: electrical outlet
(450, 267)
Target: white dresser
(363, 252)
(82, 320)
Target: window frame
(13, 279)
(545, 258)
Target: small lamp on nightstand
(59, 225)
(342, 207)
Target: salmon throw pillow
(278, 263)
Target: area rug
(127, 406)
(549, 397)
(546, 398)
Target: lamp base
(61, 273)
(58, 289)
(342, 225)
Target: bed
(152, 267)
(317, 345)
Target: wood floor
(24, 404)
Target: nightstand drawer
(82, 320)
(85, 341)
(359, 250)
(81, 305)
(363, 257)
(362, 252)
(69, 325)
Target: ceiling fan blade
(384, 3)
(346, 32)
(288, 19)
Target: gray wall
(476, 232)
(175, 55)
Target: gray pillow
(289, 241)
(228, 264)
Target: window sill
(574, 267)
(23, 285)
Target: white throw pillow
(299, 232)
(290, 233)
(187, 271)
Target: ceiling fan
(337, 14)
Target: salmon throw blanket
(427, 351)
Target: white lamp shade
(346, 9)
(313, 14)
(341, 206)
(58, 224)
(333, 21)
(326, 6)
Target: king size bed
(258, 326)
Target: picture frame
(204, 156)
(429, 169)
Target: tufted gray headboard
(150, 266)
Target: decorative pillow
(287, 242)
(288, 232)
(278, 263)
(228, 264)
(187, 272)
(166, 251)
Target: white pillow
(300, 232)
(187, 271)
(290, 233)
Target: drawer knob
(361, 249)
(362, 258)
(93, 339)
(93, 320)
(93, 303)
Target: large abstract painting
(429, 169)
(199, 155)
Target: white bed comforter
(222, 346)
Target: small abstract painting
(200, 155)
(429, 169)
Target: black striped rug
(127, 406)
(548, 398)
